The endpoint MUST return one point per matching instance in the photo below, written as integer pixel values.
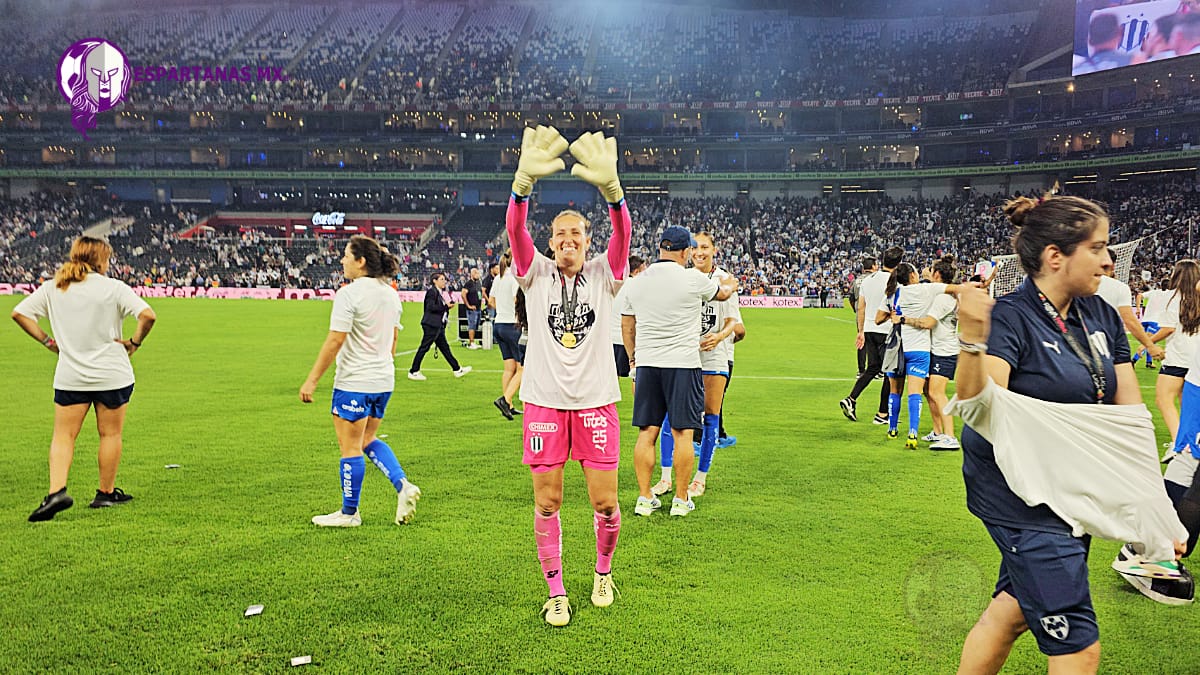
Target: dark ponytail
(900, 277)
(945, 269)
(379, 263)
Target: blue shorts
(943, 366)
(352, 406)
(916, 364)
(472, 319)
(508, 338)
(722, 373)
(622, 360)
(1150, 326)
(1048, 575)
(678, 392)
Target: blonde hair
(88, 255)
(587, 224)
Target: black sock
(1188, 511)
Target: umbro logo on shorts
(1056, 626)
(543, 427)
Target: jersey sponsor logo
(1056, 626)
(1052, 345)
(543, 427)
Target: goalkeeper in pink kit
(570, 387)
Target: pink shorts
(592, 437)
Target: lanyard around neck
(1092, 360)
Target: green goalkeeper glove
(597, 165)
(540, 150)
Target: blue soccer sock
(351, 470)
(381, 454)
(914, 413)
(893, 411)
(666, 444)
(708, 442)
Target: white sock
(701, 476)
(666, 474)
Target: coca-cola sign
(333, 218)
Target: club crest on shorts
(1056, 626)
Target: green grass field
(819, 548)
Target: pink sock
(608, 528)
(547, 533)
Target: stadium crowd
(780, 246)
(443, 52)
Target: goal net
(1009, 275)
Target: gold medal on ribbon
(569, 341)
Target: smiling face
(703, 253)
(352, 267)
(569, 240)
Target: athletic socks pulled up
(708, 442)
(608, 529)
(381, 455)
(547, 533)
(351, 470)
(893, 411)
(914, 413)
(666, 445)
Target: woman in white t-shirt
(943, 357)
(507, 333)
(1180, 326)
(362, 337)
(86, 310)
(906, 302)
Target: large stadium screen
(1111, 34)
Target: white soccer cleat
(603, 589)
(660, 488)
(645, 507)
(406, 503)
(682, 508)
(462, 371)
(417, 376)
(557, 611)
(338, 519)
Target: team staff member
(636, 265)
(473, 298)
(570, 388)
(433, 324)
(85, 309)
(661, 328)
(872, 337)
(1049, 340)
(363, 327)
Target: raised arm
(597, 164)
(540, 150)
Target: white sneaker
(603, 589)
(682, 508)
(645, 507)
(662, 487)
(462, 371)
(695, 489)
(931, 436)
(417, 376)
(474, 346)
(557, 611)
(406, 502)
(338, 519)
(1155, 569)
(945, 443)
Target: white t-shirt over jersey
(1156, 304)
(667, 299)
(1115, 293)
(915, 302)
(712, 320)
(368, 311)
(1180, 345)
(569, 373)
(736, 308)
(944, 334)
(85, 320)
(504, 290)
(619, 304)
(872, 291)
